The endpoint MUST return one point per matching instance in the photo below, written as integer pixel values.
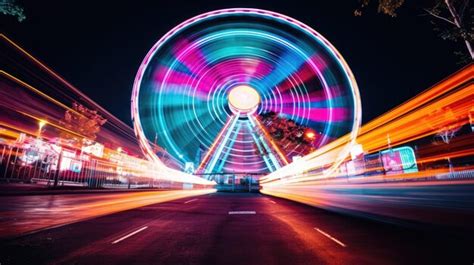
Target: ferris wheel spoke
(287, 64)
(172, 81)
(188, 54)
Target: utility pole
(58, 169)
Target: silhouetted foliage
(289, 136)
(82, 121)
(452, 19)
(9, 7)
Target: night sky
(98, 46)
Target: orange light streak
(26, 219)
(445, 105)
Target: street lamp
(310, 135)
(41, 124)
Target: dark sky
(98, 45)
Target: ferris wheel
(243, 90)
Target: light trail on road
(446, 106)
(25, 214)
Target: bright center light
(243, 99)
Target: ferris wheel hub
(243, 100)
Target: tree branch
(457, 22)
(462, 9)
(439, 17)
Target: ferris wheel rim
(138, 128)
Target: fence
(67, 168)
(463, 174)
(235, 182)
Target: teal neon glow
(180, 91)
(220, 148)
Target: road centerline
(129, 235)
(330, 237)
(186, 202)
(242, 212)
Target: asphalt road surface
(25, 214)
(235, 228)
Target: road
(25, 214)
(234, 228)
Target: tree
(82, 121)
(453, 19)
(9, 7)
(287, 134)
(445, 123)
(387, 7)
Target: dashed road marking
(242, 212)
(129, 235)
(330, 237)
(272, 202)
(190, 201)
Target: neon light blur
(182, 89)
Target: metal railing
(30, 165)
(236, 182)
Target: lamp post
(41, 124)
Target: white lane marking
(242, 212)
(272, 202)
(129, 235)
(330, 237)
(190, 201)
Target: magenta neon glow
(194, 66)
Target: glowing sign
(399, 160)
(95, 149)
